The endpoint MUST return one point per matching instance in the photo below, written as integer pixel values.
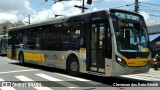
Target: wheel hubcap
(74, 66)
(21, 59)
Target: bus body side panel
(108, 67)
(121, 70)
(82, 60)
(44, 57)
(55, 59)
(9, 53)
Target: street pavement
(28, 76)
(152, 75)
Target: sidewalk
(152, 71)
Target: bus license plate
(137, 72)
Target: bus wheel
(73, 66)
(21, 59)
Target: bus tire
(21, 59)
(73, 66)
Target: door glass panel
(93, 44)
(97, 47)
(101, 45)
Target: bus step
(96, 73)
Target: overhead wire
(124, 6)
(152, 11)
(150, 3)
(74, 9)
(144, 4)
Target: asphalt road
(45, 78)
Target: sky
(18, 10)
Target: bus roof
(65, 19)
(122, 10)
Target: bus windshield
(131, 33)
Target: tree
(4, 32)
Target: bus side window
(77, 36)
(65, 38)
(19, 40)
(40, 39)
(48, 38)
(31, 40)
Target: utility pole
(29, 19)
(81, 7)
(136, 6)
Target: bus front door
(97, 47)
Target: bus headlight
(151, 60)
(121, 61)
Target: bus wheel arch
(21, 58)
(72, 65)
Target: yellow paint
(145, 49)
(83, 51)
(136, 61)
(9, 54)
(17, 55)
(62, 58)
(100, 43)
(34, 57)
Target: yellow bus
(107, 42)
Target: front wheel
(21, 59)
(73, 66)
